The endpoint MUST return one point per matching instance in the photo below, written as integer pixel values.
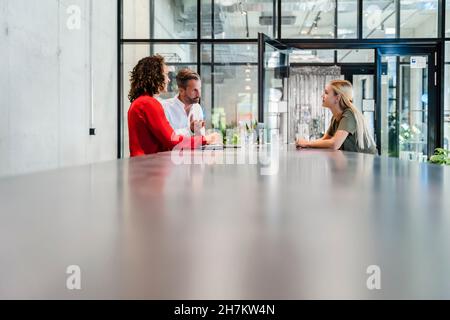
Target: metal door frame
(435, 111)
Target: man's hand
(214, 138)
(196, 126)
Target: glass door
(406, 94)
(273, 86)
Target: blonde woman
(348, 130)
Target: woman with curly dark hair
(149, 129)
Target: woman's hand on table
(302, 143)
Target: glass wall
(317, 19)
(418, 18)
(308, 19)
(447, 18)
(356, 56)
(230, 84)
(136, 19)
(159, 19)
(231, 19)
(347, 19)
(311, 56)
(379, 18)
(224, 50)
(447, 97)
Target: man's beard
(193, 101)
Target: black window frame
(357, 43)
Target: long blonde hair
(345, 89)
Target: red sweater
(150, 131)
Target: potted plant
(441, 156)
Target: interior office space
(362, 40)
(218, 229)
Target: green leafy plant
(236, 140)
(409, 133)
(252, 126)
(230, 140)
(441, 156)
(392, 145)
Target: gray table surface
(150, 228)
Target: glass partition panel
(159, 19)
(308, 19)
(379, 18)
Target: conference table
(259, 223)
